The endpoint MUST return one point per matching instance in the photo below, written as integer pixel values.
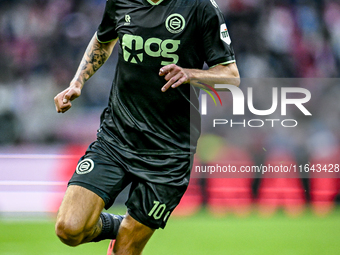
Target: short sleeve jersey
(140, 118)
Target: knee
(69, 232)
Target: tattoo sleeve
(95, 56)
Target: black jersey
(140, 118)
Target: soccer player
(149, 131)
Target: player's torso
(141, 117)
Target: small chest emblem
(127, 19)
(175, 23)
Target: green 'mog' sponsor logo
(134, 49)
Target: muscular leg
(132, 237)
(78, 216)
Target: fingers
(62, 104)
(174, 75)
(63, 100)
(167, 69)
(174, 82)
(67, 96)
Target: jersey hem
(147, 152)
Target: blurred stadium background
(41, 43)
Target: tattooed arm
(95, 56)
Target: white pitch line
(31, 183)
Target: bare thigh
(78, 216)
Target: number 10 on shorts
(158, 210)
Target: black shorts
(158, 182)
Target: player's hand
(63, 100)
(174, 75)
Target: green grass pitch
(199, 234)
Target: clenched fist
(63, 100)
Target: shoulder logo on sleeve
(175, 23)
(224, 34)
(85, 166)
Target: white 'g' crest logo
(85, 166)
(175, 23)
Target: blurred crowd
(42, 42)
